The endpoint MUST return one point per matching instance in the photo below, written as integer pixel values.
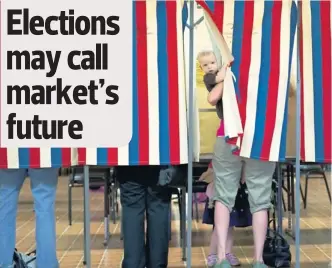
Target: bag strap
(274, 229)
(32, 252)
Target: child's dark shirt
(210, 82)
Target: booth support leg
(87, 247)
(293, 202)
(190, 129)
(298, 148)
(183, 223)
(106, 210)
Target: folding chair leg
(306, 192)
(302, 195)
(121, 227)
(113, 203)
(284, 203)
(170, 224)
(196, 206)
(179, 204)
(327, 187)
(69, 204)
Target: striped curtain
(37, 158)
(159, 104)
(315, 71)
(260, 34)
(159, 101)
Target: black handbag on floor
(24, 260)
(276, 251)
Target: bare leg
(214, 243)
(229, 241)
(221, 220)
(259, 225)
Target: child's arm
(215, 94)
(221, 74)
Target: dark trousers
(140, 197)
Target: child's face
(209, 63)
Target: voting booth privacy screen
(254, 30)
(158, 106)
(315, 80)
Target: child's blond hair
(204, 53)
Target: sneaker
(259, 265)
(212, 260)
(223, 264)
(233, 260)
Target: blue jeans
(43, 183)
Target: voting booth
(160, 98)
(261, 37)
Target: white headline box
(66, 73)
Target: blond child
(212, 75)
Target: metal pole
(298, 145)
(190, 129)
(87, 241)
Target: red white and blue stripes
(159, 104)
(315, 73)
(260, 35)
(37, 158)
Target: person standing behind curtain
(142, 195)
(227, 168)
(43, 183)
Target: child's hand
(222, 73)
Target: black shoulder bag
(20, 262)
(276, 251)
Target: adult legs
(158, 202)
(11, 181)
(133, 208)
(258, 175)
(230, 240)
(44, 182)
(227, 168)
(213, 243)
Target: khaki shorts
(227, 169)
